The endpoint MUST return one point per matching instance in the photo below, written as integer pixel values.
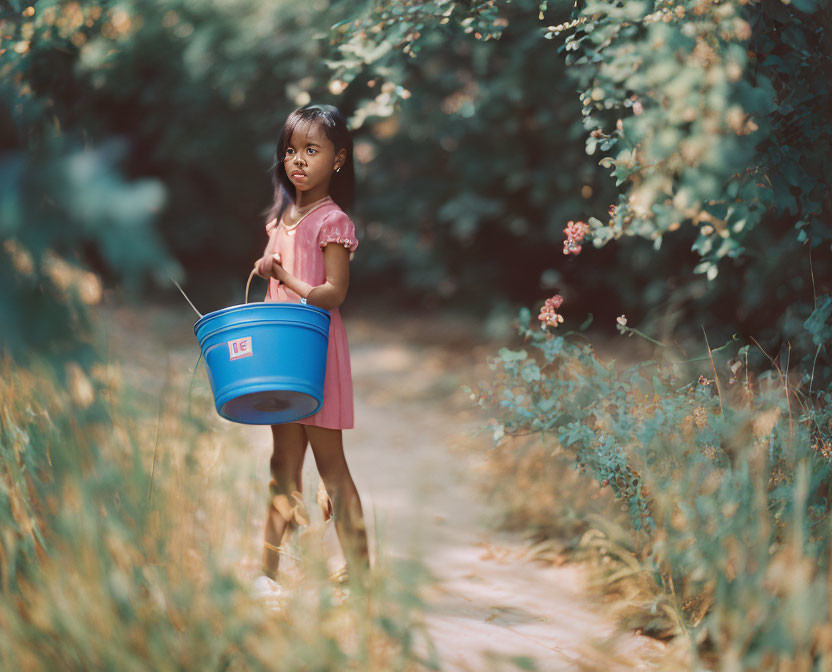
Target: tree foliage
(694, 105)
(477, 140)
(713, 143)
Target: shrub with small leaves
(726, 477)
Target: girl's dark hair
(342, 184)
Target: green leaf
(511, 355)
(530, 373)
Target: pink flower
(556, 301)
(575, 232)
(548, 315)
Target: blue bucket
(266, 361)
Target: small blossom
(549, 318)
(337, 86)
(548, 315)
(575, 232)
(703, 380)
(622, 320)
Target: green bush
(726, 479)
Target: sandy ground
(413, 454)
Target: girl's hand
(269, 266)
(263, 266)
(277, 270)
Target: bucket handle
(248, 284)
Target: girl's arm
(332, 293)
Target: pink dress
(302, 254)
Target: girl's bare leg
(286, 464)
(328, 449)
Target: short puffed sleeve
(338, 228)
(271, 225)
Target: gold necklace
(300, 213)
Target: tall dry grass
(126, 540)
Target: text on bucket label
(240, 347)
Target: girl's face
(311, 161)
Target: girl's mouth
(299, 176)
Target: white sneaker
(268, 591)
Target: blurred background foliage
(719, 153)
(479, 130)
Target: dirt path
(412, 453)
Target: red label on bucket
(240, 347)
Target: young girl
(311, 241)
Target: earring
(337, 169)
